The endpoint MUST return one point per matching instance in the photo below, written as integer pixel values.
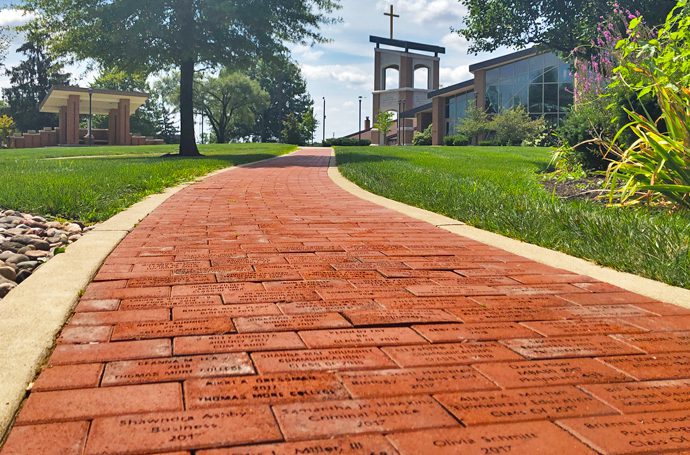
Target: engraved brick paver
(267, 311)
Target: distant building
(538, 80)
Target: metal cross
(392, 16)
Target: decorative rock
(8, 273)
(5, 288)
(73, 228)
(11, 246)
(16, 259)
(35, 254)
(23, 275)
(5, 255)
(26, 249)
(40, 244)
(27, 265)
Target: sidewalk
(266, 310)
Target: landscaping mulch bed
(586, 189)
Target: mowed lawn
(498, 189)
(60, 182)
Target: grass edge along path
(498, 189)
(93, 190)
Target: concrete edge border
(634, 283)
(32, 315)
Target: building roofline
(452, 88)
(407, 45)
(519, 55)
(417, 110)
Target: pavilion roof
(103, 100)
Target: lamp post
(90, 133)
(324, 120)
(402, 115)
(359, 125)
(399, 112)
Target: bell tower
(397, 57)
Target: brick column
(62, 126)
(72, 120)
(438, 120)
(480, 88)
(123, 123)
(112, 127)
(406, 72)
(436, 76)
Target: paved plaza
(267, 311)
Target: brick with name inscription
(519, 438)
(532, 301)
(346, 294)
(411, 381)
(608, 298)
(190, 300)
(516, 405)
(324, 306)
(658, 342)
(243, 342)
(164, 329)
(268, 388)
(508, 314)
(176, 368)
(427, 290)
(227, 311)
(270, 296)
(651, 396)
(540, 373)
(449, 354)
(214, 289)
(439, 333)
(321, 359)
(605, 311)
(290, 322)
(634, 433)
(654, 366)
(397, 317)
(415, 303)
(370, 444)
(231, 277)
(583, 327)
(675, 323)
(195, 429)
(360, 337)
(313, 420)
(564, 347)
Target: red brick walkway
(267, 306)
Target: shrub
(513, 126)
(656, 167)
(585, 121)
(457, 140)
(475, 124)
(346, 142)
(423, 137)
(6, 129)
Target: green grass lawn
(498, 189)
(94, 189)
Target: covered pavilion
(71, 102)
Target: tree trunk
(187, 138)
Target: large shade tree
(555, 24)
(154, 35)
(230, 102)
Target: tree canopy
(30, 82)
(158, 34)
(230, 102)
(555, 24)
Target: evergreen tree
(30, 82)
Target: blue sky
(342, 69)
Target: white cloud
(427, 11)
(10, 17)
(450, 76)
(306, 53)
(346, 74)
(455, 43)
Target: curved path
(269, 309)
